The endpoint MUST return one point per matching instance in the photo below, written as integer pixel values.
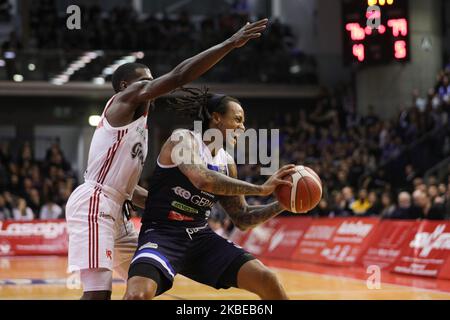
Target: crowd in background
(169, 39)
(31, 189)
(354, 155)
(370, 166)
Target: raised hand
(248, 32)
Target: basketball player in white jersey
(100, 238)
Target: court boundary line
(360, 280)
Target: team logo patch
(108, 254)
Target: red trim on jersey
(110, 155)
(104, 164)
(121, 134)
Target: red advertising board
(336, 241)
(349, 240)
(33, 238)
(387, 242)
(445, 270)
(315, 239)
(426, 251)
(258, 239)
(238, 237)
(287, 237)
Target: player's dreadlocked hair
(200, 104)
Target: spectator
(427, 209)
(388, 206)
(362, 204)
(349, 199)
(34, 202)
(376, 206)
(22, 212)
(322, 209)
(5, 212)
(410, 175)
(50, 210)
(404, 207)
(444, 89)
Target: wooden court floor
(46, 278)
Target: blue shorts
(197, 253)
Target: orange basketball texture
(306, 193)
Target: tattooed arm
(182, 150)
(245, 216)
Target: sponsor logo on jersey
(192, 231)
(106, 216)
(141, 132)
(175, 216)
(183, 207)
(182, 193)
(195, 199)
(208, 194)
(138, 152)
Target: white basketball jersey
(219, 162)
(117, 155)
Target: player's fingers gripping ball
(305, 193)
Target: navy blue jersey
(173, 198)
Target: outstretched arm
(242, 214)
(194, 67)
(182, 150)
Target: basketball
(305, 193)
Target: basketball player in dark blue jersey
(175, 236)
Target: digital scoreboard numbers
(375, 31)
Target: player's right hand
(248, 32)
(277, 179)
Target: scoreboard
(375, 31)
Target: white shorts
(100, 237)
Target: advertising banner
(33, 238)
(426, 251)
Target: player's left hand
(248, 32)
